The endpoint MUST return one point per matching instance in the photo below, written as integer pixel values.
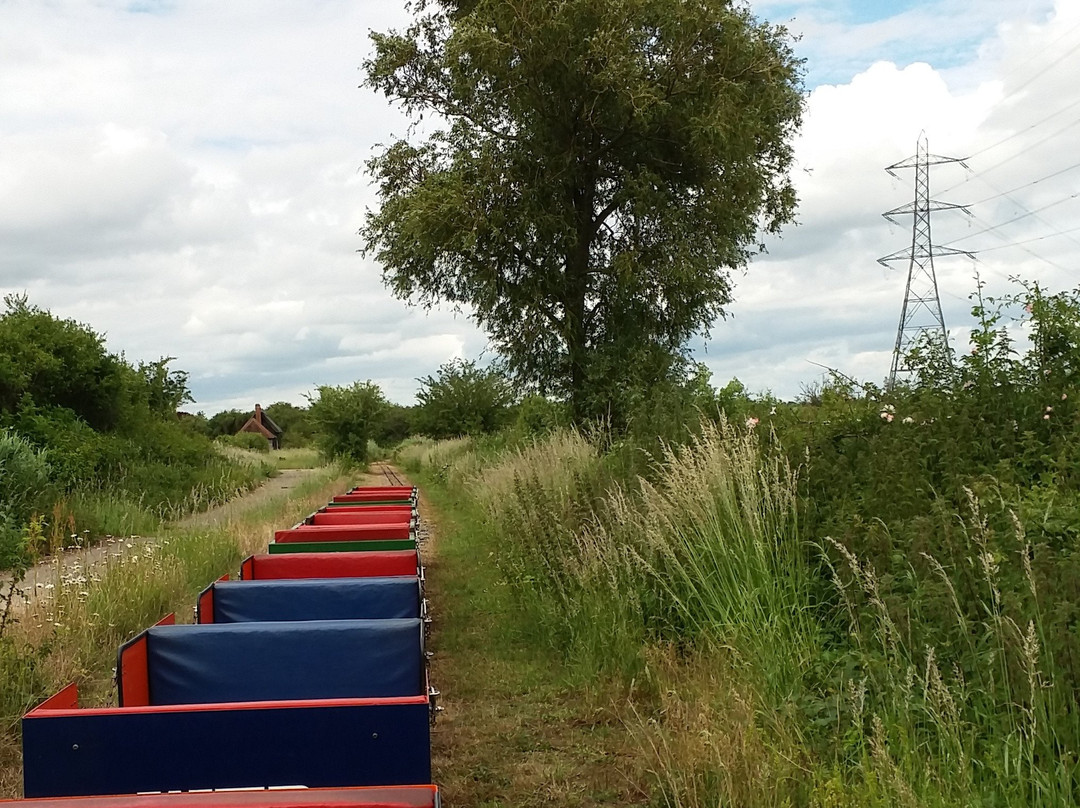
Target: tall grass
(538, 499)
(453, 460)
(717, 533)
(298, 458)
(984, 716)
(759, 656)
(708, 548)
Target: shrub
(344, 419)
(25, 489)
(462, 400)
(246, 440)
(538, 416)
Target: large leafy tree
(597, 170)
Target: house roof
(268, 422)
(262, 423)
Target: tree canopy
(345, 418)
(599, 168)
(462, 399)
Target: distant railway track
(391, 476)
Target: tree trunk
(576, 338)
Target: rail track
(392, 477)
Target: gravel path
(82, 560)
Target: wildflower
(751, 422)
(1028, 308)
(1064, 396)
(909, 420)
(772, 411)
(1049, 409)
(888, 408)
(887, 416)
(1046, 417)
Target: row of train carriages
(303, 684)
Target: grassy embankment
(519, 728)
(560, 702)
(74, 621)
(680, 641)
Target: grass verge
(519, 728)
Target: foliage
(117, 452)
(345, 417)
(604, 165)
(885, 579)
(462, 399)
(538, 416)
(395, 425)
(57, 363)
(295, 423)
(227, 422)
(246, 440)
(166, 390)
(24, 486)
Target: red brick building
(262, 424)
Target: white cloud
(187, 181)
(820, 297)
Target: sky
(187, 178)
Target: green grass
(306, 458)
(765, 668)
(519, 729)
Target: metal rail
(391, 475)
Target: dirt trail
(80, 561)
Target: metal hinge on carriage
(433, 704)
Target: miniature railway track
(391, 476)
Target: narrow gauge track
(391, 476)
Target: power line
(1024, 151)
(1032, 240)
(1035, 55)
(1025, 185)
(1039, 122)
(1035, 212)
(1027, 82)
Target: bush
(24, 490)
(462, 400)
(345, 417)
(100, 445)
(246, 440)
(538, 416)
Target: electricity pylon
(921, 313)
